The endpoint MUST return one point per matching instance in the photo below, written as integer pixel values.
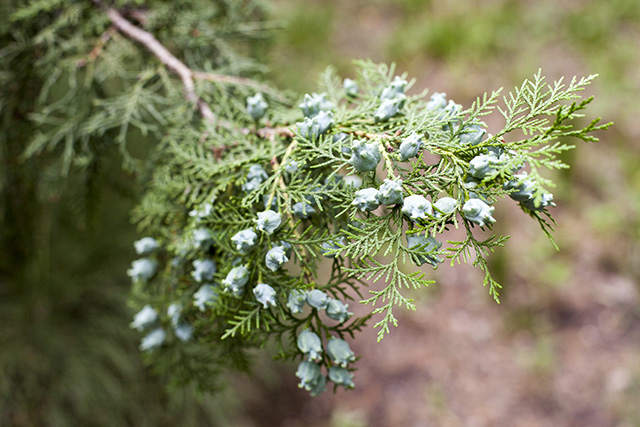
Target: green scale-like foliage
(339, 249)
(213, 159)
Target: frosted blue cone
(390, 192)
(265, 295)
(146, 245)
(268, 221)
(339, 352)
(296, 301)
(437, 101)
(417, 208)
(317, 299)
(365, 157)
(337, 310)
(472, 135)
(445, 206)
(395, 89)
(483, 166)
(366, 199)
(204, 269)
(205, 296)
(312, 104)
(350, 88)
(389, 108)
(202, 238)
(428, 246)
(275, 258)
(310, 344)
(145, 317)
(245, 240)
(236, 280)
(410, 147)
(174, 311)
(256, 106)
(475, 210)
(153, 339)
(302, 210)
(311, 378)
(341, 376)
(183, 331)
(142, 269)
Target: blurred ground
(563, 347)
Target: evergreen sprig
(313, 178)
(266, 219)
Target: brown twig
(97, 49)
(174, 64)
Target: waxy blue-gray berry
(292, 166)
(311, 378)
(472, 135)
(142, 269)
(341, 376)
(546, 200)
(310, 344)
(303, 210)
(395, 89)
(312, 128)
(183, 331)
(245, 240)
(437, 101)
(483, 166)
(366, 199)
(428, 245)
(236, 280)
(331, 246)
(146, 245)
(202, 238)
(255, 177)
(205, 296)
(314, 103)
(256, 172)
(445, 206)
(410, 147)
(174, 311)
(337, 310)
(390, 192)
(317, 299)
(256, 106)
(153, 339)
(275, 258)
(339, 352)
(296, 301)
(204, 269)
(145, 317)
(451, 110)
(365, 157)
(268, 221)
(265, 295)
(477, 211)
(350, 87)
(416, 207)
(525, 193)
(389, 108)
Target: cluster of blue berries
(392, 99)
(310, 371)
(318, 116)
